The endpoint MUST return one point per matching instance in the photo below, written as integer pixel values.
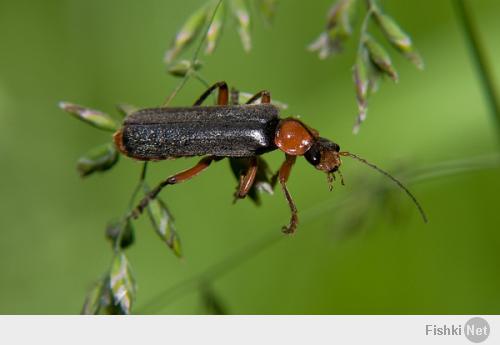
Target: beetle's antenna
(399, 183)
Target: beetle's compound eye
(293, 138)
(313, 155)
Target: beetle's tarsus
(237, 196)
(290, 228)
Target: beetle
(239, 132)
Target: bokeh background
(373, 257)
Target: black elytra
(224, 131)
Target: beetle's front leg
(283, 175)
(185, 175)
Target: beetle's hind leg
(222, 98)
(185, 175)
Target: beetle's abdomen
(229, 131)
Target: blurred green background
(100, 53)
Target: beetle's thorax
(293, 137)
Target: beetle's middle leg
(247, 179)
(222, 98)
(185, 175)
(283, 175)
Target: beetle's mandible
(233, 131)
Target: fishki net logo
(476, 330)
